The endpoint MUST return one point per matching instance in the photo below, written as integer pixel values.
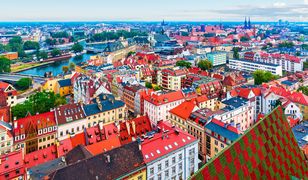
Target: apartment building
(252, 66)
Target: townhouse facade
(171, 154)
(158, 104)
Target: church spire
(245, 23)
(249, 23)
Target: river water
(56, 67)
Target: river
(56, 67)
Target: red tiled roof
(243, 92)
(184, 110)
(298, 97)
(10, 163)
(156, 147)
(222, 124)
(69, 113)
(40, 156)
(159, 99)
(39, 121)
(104, 145)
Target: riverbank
(55, 67)
(26, 66)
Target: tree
(71, 66)
(183, 64)
(130, 53)
(157, 88)
(236, 55)
(24, 83)
(244, 39)
(77, 48)
(5, 65)
(55, 52)
(148, 85)
(62, 34)
(305, 46)
(205, 64)
(286, 44)
(305, 65)
(261, 76)
(39, 102)
(303, 89)
(65, 69)
(42, 55)
(31, 45)
(15, 40)
(234, 41)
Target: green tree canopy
(205, 64)
(244, 39)
(148, 85)
(286, 44)
(5, 65)
(62, 34)
(261, 76)
(39, 102)
(42, 55)
(77, 48)
(72, 66)
(303, 89)
(55, 52)
(31, 45)
(236, 54)
(65, 69)
(24, 83)
(183, 64)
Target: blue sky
(149, 10)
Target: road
(16, 77)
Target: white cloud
(281, 4)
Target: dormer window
(39, 132)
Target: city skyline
(171, 10)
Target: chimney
(15, 124)
(107, 158)
(127, 127)
(100, 106)
(139, 148)
(134, 127)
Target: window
(151, 171)
(173, 170)
(216, 142)
(166, 163)
(180, 157)
(222, 145)
(159, 167)
(173, 160)
(167, 173)
(159, 177)
(180, 166)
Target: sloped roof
(122, 160)
(184, 109)
(64, 82)
(267, 151)
(222, 129)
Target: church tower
(249, 23)
(245, 23)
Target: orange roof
(201, 98)
(244, 92)
(159, 99)
(256, 91)
(298, 97)
(78, 139)
(184, 110)
(103, 146)
(3, 85)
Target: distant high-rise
(202, 28)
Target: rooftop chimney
(107, 158)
